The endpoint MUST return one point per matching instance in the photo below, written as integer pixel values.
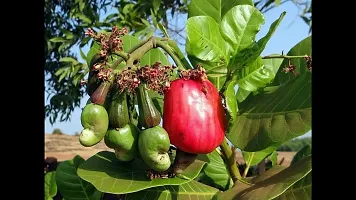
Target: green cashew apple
(118, 110)
(123, 141)
(95, 121)
(153, 145)
(149, 115)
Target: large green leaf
(109, 175)
(256, 75)
(213, 8)
(301, 49)
(191, 190)
(70, 185)
(270, 184)
(240, 25)
(215, 173)
(152, 56)
(301, 189)
(276, 114)
(253, 158)
(273, 64)
(252, 52)
(129, 41)
(50, 185)
(204, 40)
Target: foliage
(267, 100)
(66, 21)
(295, 144)
(57, 131)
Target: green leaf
(69, 35)
(68, 59)
(256, 75)
(241, 94)
(273, 64)
(190, 190)
(70, 185)
(253, 158)
(63, 75)
(108, 175)
(204, 40)
(302, 188)
(231, 103)
(277, 2)
(213, 8)
(226, 5)
(240, 25)
(273, 157)
(251, 53)
(301, 49)
(273, 117)
(152, 56)
(215, 171)
(302, 153)
(163, 29)
(129, 41)
(279, 113)
(50, 185)
(270, 184)
(58, 39)
(82, 55)
(82, 17)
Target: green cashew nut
(153, 145)
(95, 121)
(123, 141)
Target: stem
(123, 55)
(179, 53)
(283, 56)
(231, 161)
(248, 164)
(171, 53)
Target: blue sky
(291, 30)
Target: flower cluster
(104, 74)
(195, 74)
(129, 80)
(309, 62)
(157, 77)
(290, 68)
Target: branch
(166, 48)
(230, 161)
(134, 48)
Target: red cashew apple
(194, 116)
